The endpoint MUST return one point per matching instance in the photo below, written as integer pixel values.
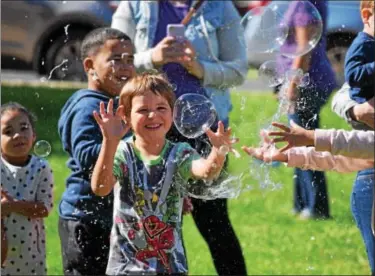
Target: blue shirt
(81, 138)
(359, 67)
(176, 73)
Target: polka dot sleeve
(44, 191)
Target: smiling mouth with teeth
(154, 126)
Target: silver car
(46, 35)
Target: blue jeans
(310, 191)
(361, 203)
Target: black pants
(212, 220)
(84, 246)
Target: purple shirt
(176, 73)
(320, 71)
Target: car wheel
(63, 61)
(336, 53)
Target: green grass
(273, 241)
(252, 74)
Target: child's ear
(88, 65)
(366, 14)
(34, 137)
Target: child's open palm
(221, 138)
(267, 152)
(112, 125)
(294, 135)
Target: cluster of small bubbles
(193, 114)
(42, 148)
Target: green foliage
(273, 241)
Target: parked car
(46, 35)
(343, 24)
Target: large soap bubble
(264, 30)
(305, 26)
(193, 114)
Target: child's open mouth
(19, 145)
(153, 126)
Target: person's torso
(363, 41)
(146, 234)
(25, 236)
(320, 70)
(146, 18)
(78, 201)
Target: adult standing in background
(310, 191)
(210, 60)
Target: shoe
(305, 214)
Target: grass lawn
(273, 241)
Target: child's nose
(151, 114)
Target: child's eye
(143, 110)
(7, 132)
(23, 128)
(162, 108)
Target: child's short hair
(367, 4)
(14, 106)
(143, 83)
(97, 37)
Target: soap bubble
(264, 30)
(193, 114)
(42, 148)
(271, 74)
(305, 26)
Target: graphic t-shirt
(146, 233)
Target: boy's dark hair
(97, 37)
(14, 106)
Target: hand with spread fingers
(112, 125)
(294, 135)
(221, 139)
(267, 152)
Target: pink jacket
(336, 150)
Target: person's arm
(103, 179)
(113, 130)
(123, 20)
(356, 144)
(25, 208)
(358, 71)
(343, 106)
(231, 68)
(307, 158)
